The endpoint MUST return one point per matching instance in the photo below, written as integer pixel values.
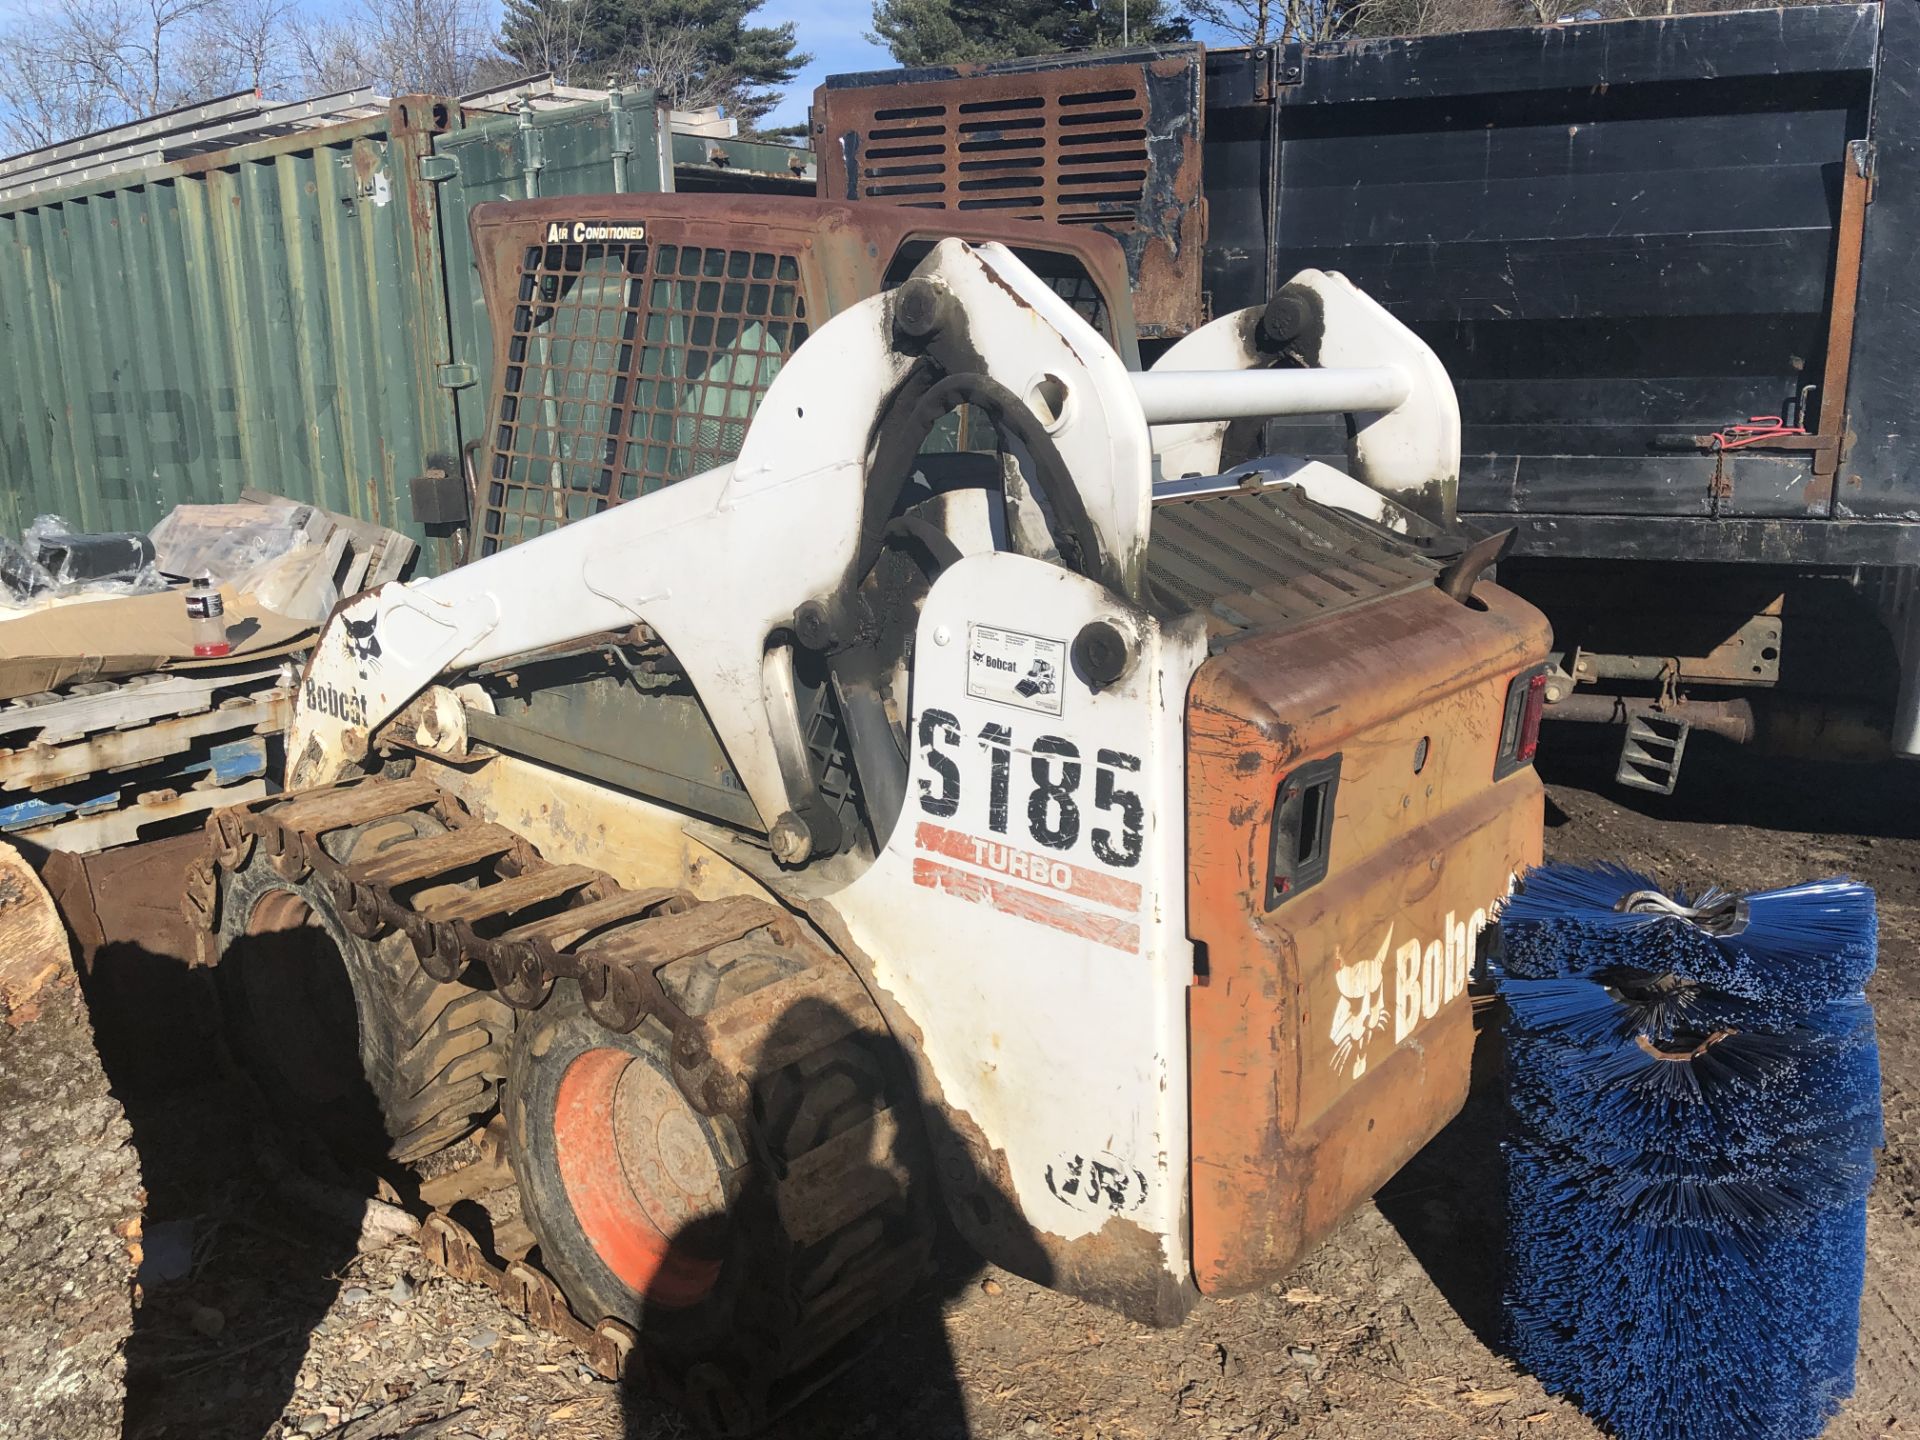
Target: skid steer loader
(977, 783)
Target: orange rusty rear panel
(1332, 1037)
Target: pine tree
(697, 52)
(937, 32)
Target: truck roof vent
(1073, 158)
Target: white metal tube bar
(1179, 397)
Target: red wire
(1757, 431)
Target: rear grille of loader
(630, 365)
(1109, 143)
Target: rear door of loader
(1347, 839)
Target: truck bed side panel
(1616, 236)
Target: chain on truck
(854, 783)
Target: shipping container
(296, 314)
(607, 148)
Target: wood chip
(1488, 1398)
(1301, 1296)
(404, 1416)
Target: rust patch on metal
(1333, 1036)
(1855, 192)
(1108, 147)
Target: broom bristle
(1695, 1116)
(1797, 948)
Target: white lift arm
(718, 565)
(1404, 418)
(721, 564)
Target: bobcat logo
(1362, 1009)
(362, 644)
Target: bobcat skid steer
(914, 806)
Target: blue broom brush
(1694, 1096)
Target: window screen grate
(630, 365)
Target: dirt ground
(280, 1329)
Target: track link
(477, 894)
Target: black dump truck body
(1669, 263)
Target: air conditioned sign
(579, 232)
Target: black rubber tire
(794, 1110)
(351, 1035)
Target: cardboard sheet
(105, 639)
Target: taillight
(1520, 728)
(1302, 829)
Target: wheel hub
(641, 1175)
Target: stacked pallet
(123, 735)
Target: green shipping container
(297, 315)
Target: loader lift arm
(972, 326)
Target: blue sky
(834, 31)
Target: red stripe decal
(1049, 872)
(1025, 904)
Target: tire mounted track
(830, 1249)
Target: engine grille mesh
(1272, 559)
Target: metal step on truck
(851, 785)
(1667, 262)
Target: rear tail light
(1302, 828)
(1520, 729)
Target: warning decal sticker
(1005, 666)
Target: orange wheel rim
(640, 1175)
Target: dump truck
(853, 786)
(1667, 262)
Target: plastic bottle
(207, 618)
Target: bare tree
(84, 65)
(553, 35)
(81, 66)
(1443, 17)
(131, 43)
(673, 63)
(328, 55)
(48, 99)
(433, 47)
(241, 45)
(1249, 22)
(1262, 22)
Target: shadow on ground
(234, 1281)
(1726, 784)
